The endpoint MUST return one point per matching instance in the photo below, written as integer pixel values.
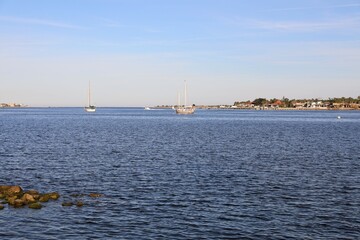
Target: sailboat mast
(89, 94)
(89, 107)
(178, 99)
(185, 95)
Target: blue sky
(139, 52)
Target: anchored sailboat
(184, 109)
(90, 108)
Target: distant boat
(147, 108)
(184, 109)
(89, 107)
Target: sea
(217, 174)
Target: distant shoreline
(209, 107)
(263, 109)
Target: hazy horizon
(138, 53)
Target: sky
(140, 52)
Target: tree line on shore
(340, 102)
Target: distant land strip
(11, 105)
(342, 103)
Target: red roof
(277, 102)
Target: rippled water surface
(214, 175)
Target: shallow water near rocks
(218, 174)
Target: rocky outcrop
(77, 199)
(15, 197)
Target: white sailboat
(184, 109)
(89, 107)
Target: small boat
(147, 108)
(90, 108)
(184, 109)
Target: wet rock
(18, 203)
(36, 197)
(95, 195)
(1, 207)
(54, 195)
(12, 190)
(2, 196)
(28, 198)
(3, 188)
(11, 200)
(49, 196)
(44, 198)
(67, 204)
(35, 205)
(79, 204)
(33, 192)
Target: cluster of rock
(16, 197)
(77, 202)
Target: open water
(214, 175)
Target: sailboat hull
(185, 111)
(90, 109)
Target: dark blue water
(213, 175)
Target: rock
(11, 200)
(10, 190)
(4, 188)
(79, 204)
(95, 195)
(1, 207)
(67, 204)
(18, 203)
(35, 205)
(2, 195)
(49, 196)
(44, 198)
(54, 195)
(33, 192)
(36, 196)
(28, 198)
(13, 190)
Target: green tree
(260, 102)
(286, 102)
